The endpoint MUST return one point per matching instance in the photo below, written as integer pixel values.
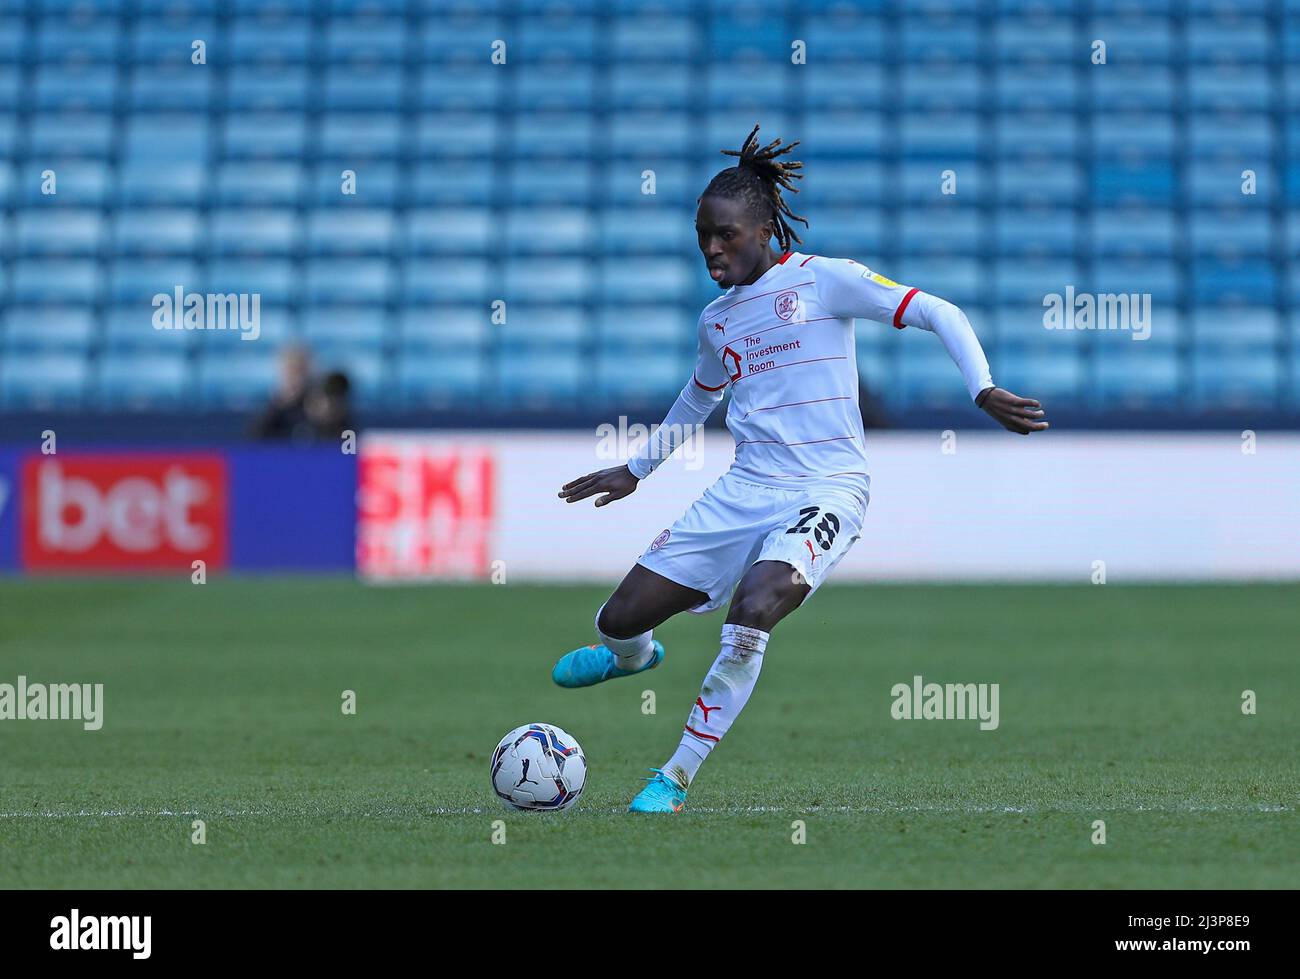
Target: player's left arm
(850, 289)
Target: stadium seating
(563, 184)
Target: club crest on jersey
(661, 540)
(786, 304)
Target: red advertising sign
(425, 509)
(123, 512)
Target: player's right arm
(693, 406)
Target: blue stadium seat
(1035, 231)
(837, 86)
(364, 88)
(542, 378)
(1246, 282)
(942, 230)
(457, 134)
(1231, 231)
(649, 229)
(1230, 326)
(1048, 133)
(1133, 231)
(171, 137)
(349, 230)
(46, 281)
(1137, 374)
(287, 41)
(1159, 277)
(646, 280)
(76, 87)
(449, 231)
(470, 87)
(264, 136)
(649, 86)
(1036, 182)
(452, 279)
(172, 231)
(641, 375)
(1129, 87)
(541, 183)
(648, 35)
(155, 182)
(275, 87)
(543, 326)
(441, 378)
(564, 87)
(74, 233)
(67, 328)
(260, 184)
(363, 326)
(136, 282)
(253, 231)
(273, 279)
(351, 280)
(1148, 133)
(1236, 376)
(447, 327)
(1030, 88)
(139, 379)
(237, 378)
(43, 380)
(659, 326)
(72, 134)
(548, 231)
(184, 87)
(634, 132)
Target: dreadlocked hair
(757, 180)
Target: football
(538, 767)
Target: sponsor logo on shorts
(661, 540)
(786, 304)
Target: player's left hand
(1012, 412)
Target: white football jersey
(784, 345)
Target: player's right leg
(625, 625)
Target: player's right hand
(615, 483)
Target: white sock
(630, 653)
(726, 688)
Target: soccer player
(792, 504)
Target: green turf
(1119, 703)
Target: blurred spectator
(284, 417)
(328, 406)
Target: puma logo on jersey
(814, 554)
(719, 326)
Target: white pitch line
(737, 810)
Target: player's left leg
(793, 561)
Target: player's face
(731, 242)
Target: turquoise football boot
(663, 794)
(596, 664)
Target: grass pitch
(222, 703)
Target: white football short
(738, 522)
